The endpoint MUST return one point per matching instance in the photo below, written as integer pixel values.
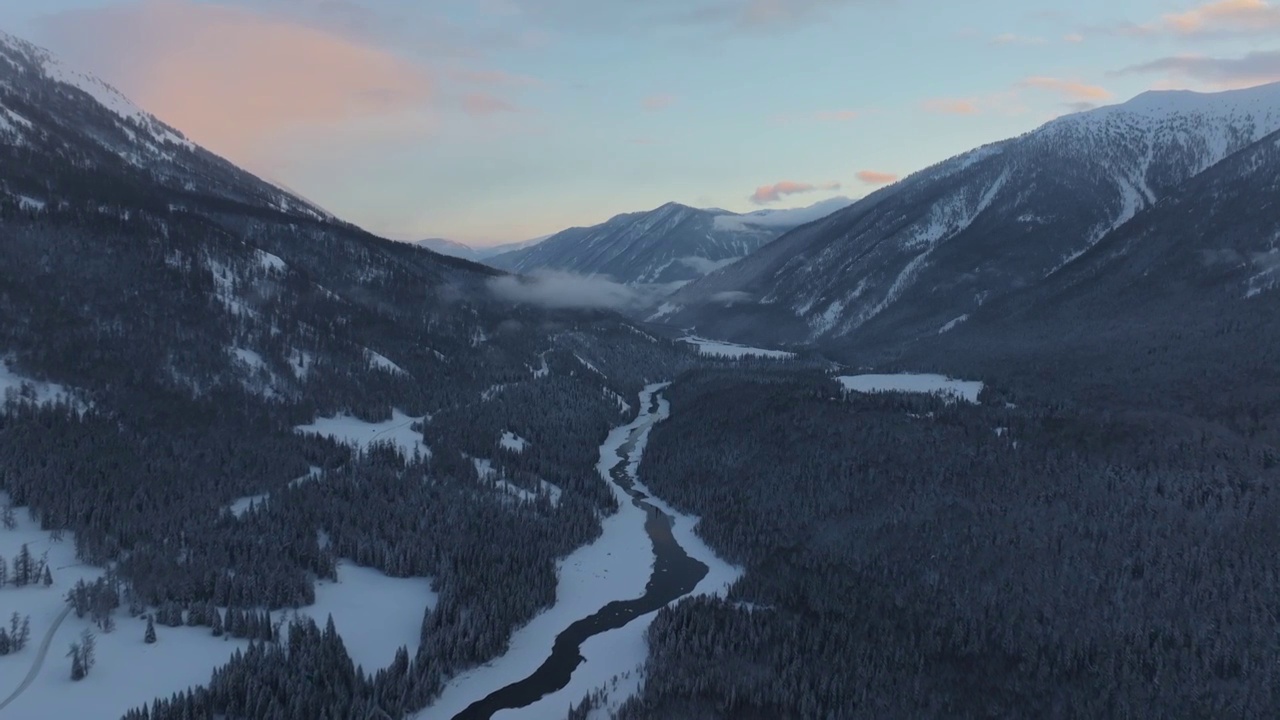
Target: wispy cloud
(1224, 16)
(766, 194)
(1069, 90)
(951, 106)
(561, 290)
(231, 78)
(481, 104)
(876, 177)
(1215, 18)
(1016, 39)
(837, 115)
(1254, 68)
(658, 102)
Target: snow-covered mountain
(664, 247)
(50, 111)
(453, 248)
(920, 256)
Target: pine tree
(4, 572)
(87, 645)
(24, 634)
(77, 662)
(22, 567)
(6, 645)
(8, 517)
(150, 636)
(215, 622)
(48, 576)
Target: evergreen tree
(88, 645)
(6, 645)
(48, 576)
(215, 622)
(77, 662)
(150, 636)
(23, 567)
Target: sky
(488, 121)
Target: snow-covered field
(966, 390)
(375, 615)
(718, 348)
(615, 567)
(513, 442)
(37, 391)
(354, 431)
(128, 672)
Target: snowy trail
(608, 593)
(39, 661)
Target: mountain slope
(667, 246)
(916, 258)
(198, 317)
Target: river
(674, 575)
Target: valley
(996, 438)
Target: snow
(270, 262)
(245, 504)
(374, 613)
(27, 202)
(513, 442)
(718, 348)
(952, 324)
(128, 672)
(910, 383)
(354, 431)
(381, 362)
(781, 218)
(250, 358)
(12, 385)
(592, 576)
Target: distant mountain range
(920, 257)
(456, 249)
(665, 247)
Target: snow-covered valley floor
(616, 566)
(375, 615)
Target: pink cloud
(951, 106)
(766, 194)
(1223, 16)
(480, 103)
(658, 102)
(875, 177)
(1071, 90)
(837, 115)
(234, 80)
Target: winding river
(675, 574)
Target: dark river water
(675, 575)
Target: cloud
(875, 177)
(1073, 38)
(950, 106)
(558, 290)
(235, 80)
(1254, 68)
(1070, 90)
(481, 104)
(759, 14)
(730, 297)
(1015, 39)
(837, 115)
(658, 102)
(766, 194)
(1222, 17)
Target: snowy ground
(717, 348)
(375, 615)
(128, 672)
(354, 431)
(37, 391)
(513, 442)
(615, 660)
(615, 567)
(966, 390)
